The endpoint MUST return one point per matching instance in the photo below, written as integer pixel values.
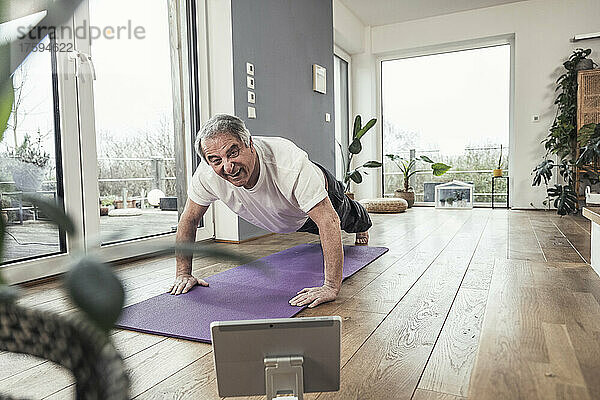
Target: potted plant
(460, 198)
(355, 175)
(563, 141)
(498, 171)
(408, 168)
(106, 205)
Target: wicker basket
(71, 342)
(385, 205)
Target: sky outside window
(449, 101)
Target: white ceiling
(383, 12)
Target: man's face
(231, 159)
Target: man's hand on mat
(183, 283)
(315, 295)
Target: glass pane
(452, 108)
(134, 118)
(30, 159)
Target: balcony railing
(158, 176)
(481, 177)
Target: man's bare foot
(362, 239)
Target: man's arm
(328, 222)
(186, 232)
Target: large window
(133, 101)
(30, 161)
(453, 108)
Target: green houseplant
(408, 168)
(563, 140)
(355, 147)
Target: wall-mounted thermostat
(249, 68)
(251, 112)
(319, 79)
(250, 82)
(251, 97)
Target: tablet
(240, 349)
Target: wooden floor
(475, 304)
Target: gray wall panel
(283, 38)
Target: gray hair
(222, 124)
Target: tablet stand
(284, 378)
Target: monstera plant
(563, 141)
(355, 175)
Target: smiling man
(271, 183)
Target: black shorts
(353, 216)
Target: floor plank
(449, 368)
(552, 241)
(522, 242)
(578, 237)
(195, 381)
(421, 394)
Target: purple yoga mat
(260, 289)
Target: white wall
(364, 103)
(347, 29)
(541, 29)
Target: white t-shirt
(288, 186)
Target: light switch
(327, 117)
(249, 68)
(251, 97)
(251, 112)
(250, 82)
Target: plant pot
(350, 195)
(104, 210)
(408, 196)
(497, 172)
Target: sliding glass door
(30, 156)
(136, 174)
(104, 125)
(133, 110)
